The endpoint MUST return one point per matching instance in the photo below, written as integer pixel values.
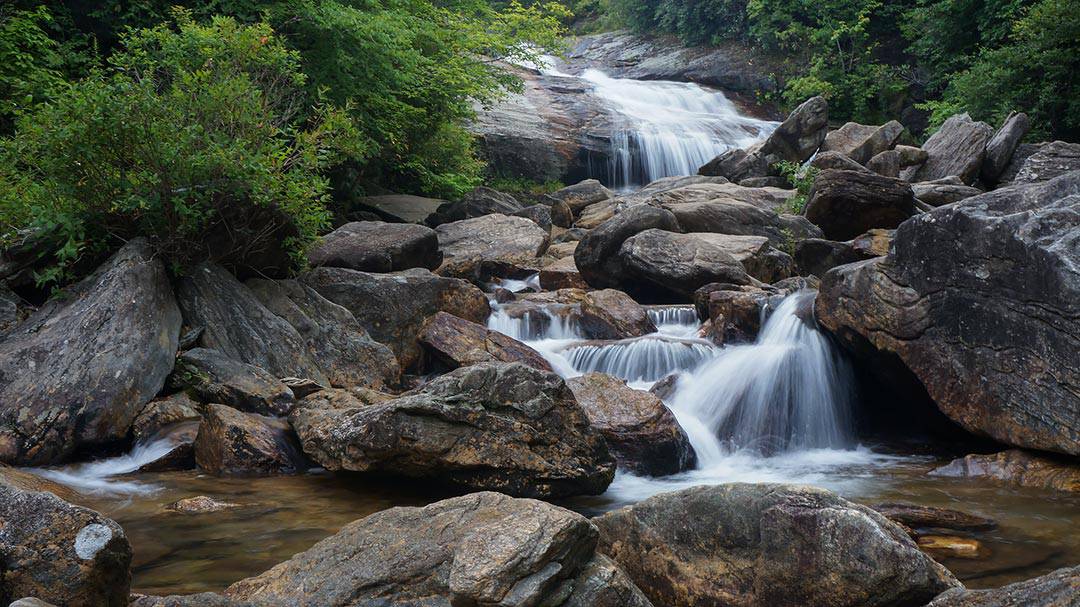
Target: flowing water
(664, 128)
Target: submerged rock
(776, 545)
(200, 504)
(459, 343)
(919, 517)
(60, 553)
(393, 307)
(232, 443)
(979, 300)
(1056, 589)
(499, 426)
(640, 431)
(376, 246)
(1016, 467)
(76, 372)
(478, 549)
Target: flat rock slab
(1056, 589)
(459, 343)
(499, 426)
(377, 246)
(1016, 467)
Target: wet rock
(538, 214)
(612, 314)
(232, 443)
(676, 265)
(60, 553)
(30, 602)
(478, 549)
(216, 378)
(1016, 467)
(341, 347)
(640, 431)
(504, 426)
(886, 163)
(978, 300)
(957, 148)
(163, 412)
(724, 216)
(817, 256)
(734, 311)
(392, 307)
(943, 191)
(200, 504)
(77, 371)
(922, 517)
(459, 343)
(596, 255)
(181, 455)
(582, 194)
(602, 583)
(836, 161)
(202, 599)
(376, 246)
(20, 478)
(874, 243)
(239, 326)
(845, 204)
(562, 274)
(777, 545)
(1055, 589)
(492, 245)
(999, 150)
(485, 201)
(401, 208)
(952, 547)
(1049, 161)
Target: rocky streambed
(705, 390)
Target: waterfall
(787, 391)
(675, 321)
(642, 359)
(663, 128)
(99, 476)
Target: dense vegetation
(873, 58)
(136, 118)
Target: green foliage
(802, 179)
(29, 61)
(516, 185)
(188, 129)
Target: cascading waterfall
(787, 391)
(664, 128)
(642, 359)
(676, 321)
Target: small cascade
(517, 285)
(529, 326)
(99, 476)
(642, 359)
(666, 128)
(675, 321)
(788, 391)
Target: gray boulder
(612, 314)
(76, 372)
(1000, 149)
(342, 348)
(478, 549)
(238, 325)
(943, 191)
(216, 378)
(957, 148)
(498, 426)
(233, 443)
(836, 160)
(885, 163)
(726, 216)
(376, 246)
(845, 204)
(800, 135)
(862, 142)
(401, 208)
(596, 254)
(582, 194)
(392, 307)
(60, 553)
(776, 545)
(979, 300)
(1049, 161)
(675, 265)
(492, 245)
(485, 201)
(1056, 589)
(457, 342)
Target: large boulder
(1018, 468)
(1049, 161)
(238, 325)
(60, 553)
(392, 307)
(816, 256)
(640, 431)
(582, 194)
(457, 342)
(980, 300)
(161, 413)
(845, 204)
(1055, 589)
(485, 201)
(491, 245)
(725, 216)
(478, 549)
(233, 443)
(1000, 148)
(342, 348)
(76, 372)
(795, 140)
(216, 378)
(957, 148)
(612, 314)
(376, 246)
(861, 142)
(401, 208)
(499, 426)
(943, 191)
(596, 255)
(836, 161)
(775, 545)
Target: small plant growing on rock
(802, 179)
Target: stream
(777, 410)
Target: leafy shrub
(29, 61)
(802, 179)
(192, 132)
